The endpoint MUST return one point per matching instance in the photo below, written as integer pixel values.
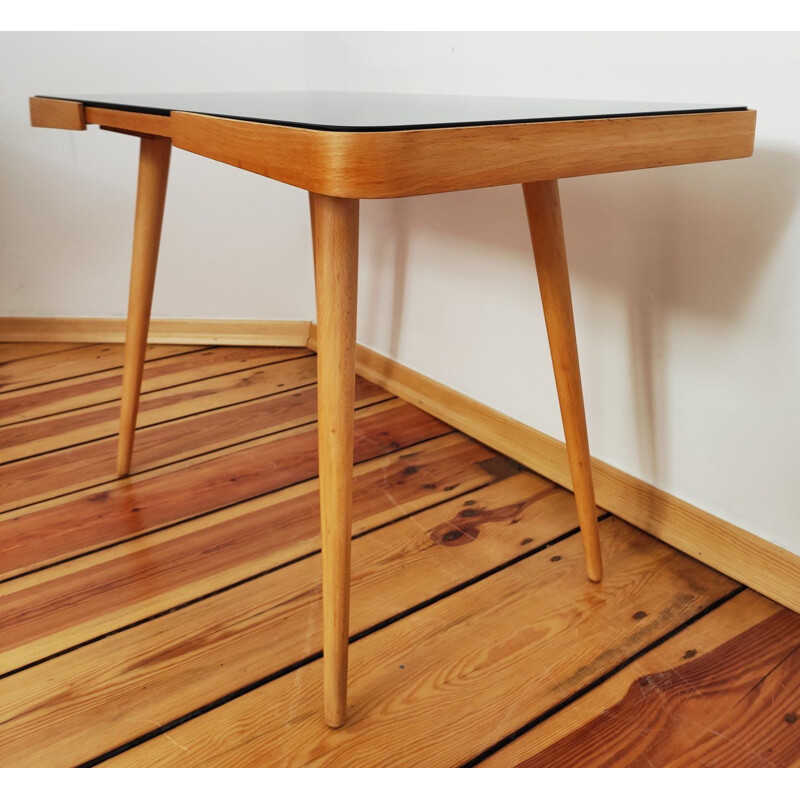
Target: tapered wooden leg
(313, 215)
(335, 223)
(547, 234)
(153, 169)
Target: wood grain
(760, 564)
(54, 609)
(14, 351)
(26, 439)
(154, 158)
(244, 332)
(100, 696)
(439, 686)
(335, 236)
(49, 113)
(475, 642)
(732, 706)
(416, 162)
(86, 521)
(733, 617)
(129, 121)
(93, 464)
(543, 207)
(76, 361)
(24, 405)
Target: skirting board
(741, 555)
(763, 566)
(278, 333)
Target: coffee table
(344, 147)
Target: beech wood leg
(154, 156)
(547, 234)
(335, 229)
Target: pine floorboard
(172, 618)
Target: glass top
(367, 111)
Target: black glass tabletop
(368, 111)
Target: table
(344, 147)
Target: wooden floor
(173, 618)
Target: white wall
(685, 279)
(233, 244)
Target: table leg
(153, 169)
(335, 223)
(544, 218)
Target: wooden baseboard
(285, 333)
(759, 564)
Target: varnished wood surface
(129, 121)
(54, 608)
(57, 365)
(334, 224)
(154, 158)
(543, 207)
(174, 617)
(485, 658)
(416, 162)
(92, 464)
(15, 351)
(243, 332)
(96, 421)
(187, 365)
(723, 693)
(676, 714)
(755, 561)
(49, 113)
(401, 163)
(89, 520)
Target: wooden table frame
(338, 168)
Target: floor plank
(86, 521)
(82, 360)
(57, 608)
(173, 617)
(92, 464)
(441, 685)
(27, 439)
(101, 387)
(98, 697)
(723, 693)
(15, 351)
